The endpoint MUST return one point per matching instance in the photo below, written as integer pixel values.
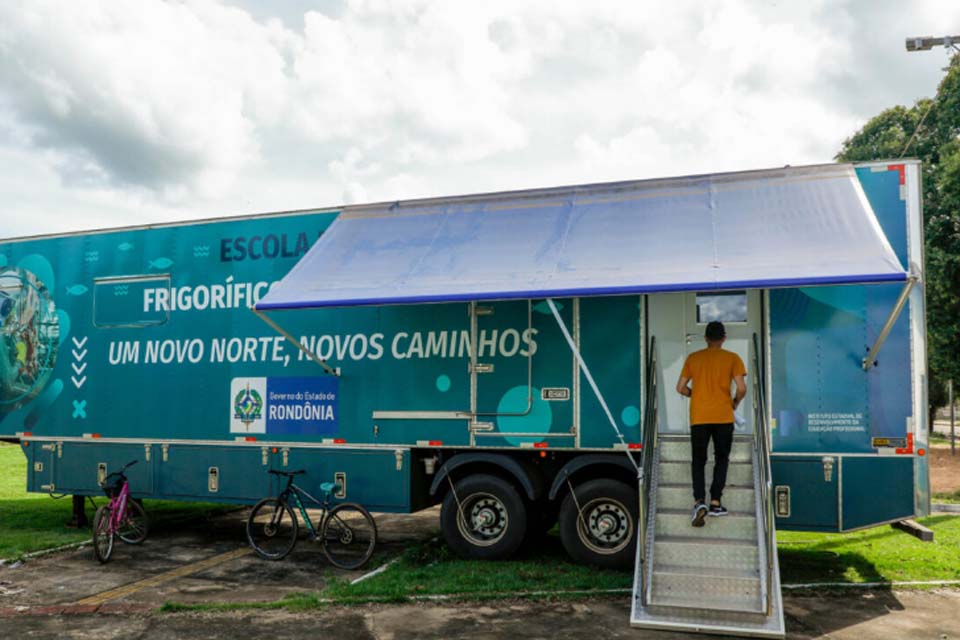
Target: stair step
(740, 600)
(680, 496)
(738, 473)
(701, 555)
(708, 572)
(721, 589)
(720, 622)
(680, 450)
(705, 579)
(736, 526)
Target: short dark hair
(715, 331)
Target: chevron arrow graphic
(79, 356)
(78, 370)
(79, 343)
(78, 383)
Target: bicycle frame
(296, 492)
(118, 507)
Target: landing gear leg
(79, 519)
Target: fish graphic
(125, 246)
(77, 290)
(544, 308)
(161, 263)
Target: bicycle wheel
(349, 536)
(133, 526)
(272, 529)
(102, 534)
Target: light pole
(952, 45)
(925, 43)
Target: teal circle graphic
(41, 269)
(41, 404)
(630, 416)
(443, 383)
(538, 420)
(64, 319)
(29, 336)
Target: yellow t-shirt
(712, 371)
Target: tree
(931, 128)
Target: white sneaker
(699, 514)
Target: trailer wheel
(493, 521)
(606, 535)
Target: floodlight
(925, 43)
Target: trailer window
(122, 301)
(725, 306)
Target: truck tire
(494, 520)
(607, 535)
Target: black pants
(700, 435)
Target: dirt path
(944, 469)
(874, 615)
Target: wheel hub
(489, 516)
(483, 519)
(606, 525)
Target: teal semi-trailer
(420, 359)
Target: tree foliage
(931, 127)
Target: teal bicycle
(347, 532)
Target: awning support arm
(310, 354)
(590, 380)
(868, 362)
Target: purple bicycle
(122, 517)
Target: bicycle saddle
(329, 486)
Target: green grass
(34, 521)
(431, 569)
(881, 554)
(953, 498)
(29, 521)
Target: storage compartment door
(379, 479)
(215, 473)
(805, 494)
(876, 490)
(80, 467)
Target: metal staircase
(722, 578)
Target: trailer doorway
(678, 321)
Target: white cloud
(149, 94)
(124, 112)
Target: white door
(678, 322)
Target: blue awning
(796, 226)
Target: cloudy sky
(115, 113)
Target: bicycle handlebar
(119, 472)
(286, 473)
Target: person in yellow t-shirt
(711, 371)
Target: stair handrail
(761, 446)
(648, 454)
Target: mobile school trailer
(511, 356)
